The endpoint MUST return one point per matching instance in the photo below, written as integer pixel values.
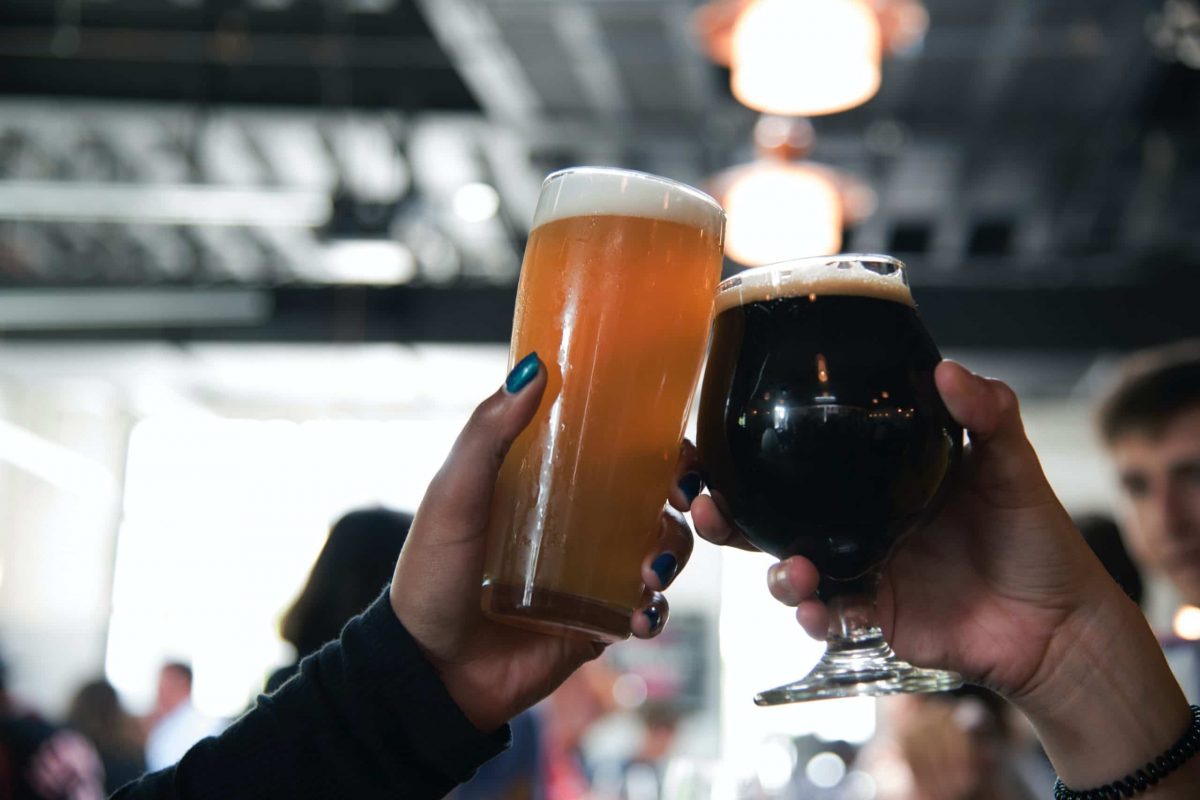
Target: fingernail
(665, 567)
(690, 484)
(777, 576)
(525, 371)
(655, 617)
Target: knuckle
(487, 422)
(487, 414)
(1006, 398)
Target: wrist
(1104, 701)
(477, 702)
(472, 700)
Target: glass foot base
(862, 671)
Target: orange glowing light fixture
(1187, 623)
(779, 210)
(783, 206)
(806, 57)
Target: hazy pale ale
(616, 296)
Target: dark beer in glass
(823, 435)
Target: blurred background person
(352, 569)
(546, 760)
(582, 701)
(96, 713)
(39, 761)
(1150, 423)
(354, 566)
(957, 746)
(175, 724)
(1149, 420)
(643, 775)
(517, 773)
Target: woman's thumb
(459, 498)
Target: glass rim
(735, 281)
(649, 177)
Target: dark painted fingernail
(525, 371)
(690, 484)
(665, 567)
(655, 617)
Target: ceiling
(1035, 163)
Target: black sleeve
(366, 717)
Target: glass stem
(853, 624)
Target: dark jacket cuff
(382, 656)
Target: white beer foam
(598, 191)
(824, 275)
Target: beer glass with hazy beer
(616, 297)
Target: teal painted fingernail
(691, 484)
(665, 567)
(524, 372)
(655, 617)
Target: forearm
(1108, 703)
(365, 718)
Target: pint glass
(616, 297)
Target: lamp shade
(806, 57)
(780, 210)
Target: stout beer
(821, 429)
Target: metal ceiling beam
(78, 201)
(694, 67)
(468, 32)
(90, 310)
(308, 54)
(249, 49)
(593, 65)
(1033, 317)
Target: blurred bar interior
(258, 261)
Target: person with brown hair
(40, 761)
(352, 569)
(96, 712)
(1150, 422)
(174, 724)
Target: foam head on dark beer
(822, 277)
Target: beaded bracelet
(1148, 775)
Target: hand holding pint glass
(616, 297)
(823, 435)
